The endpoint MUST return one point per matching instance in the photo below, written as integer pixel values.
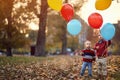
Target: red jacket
(102, 47)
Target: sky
(111, 14)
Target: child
(101, 48)
(88, 55)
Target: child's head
(99, 36)
(87, 44)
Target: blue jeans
(84, 65)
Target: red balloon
(67, 12)
(95, 20)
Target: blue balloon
(107, 31)
(74, 27)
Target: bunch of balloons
(95, 20)
(67, 12)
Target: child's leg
(90, 68)
(83, 68)
(99, 68)
(104, 69)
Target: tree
(64, 37)
(7, 8)
(116, 39)
(40, 45)
(11, 37)
(40, 11)
(54, 29)
(64, 40)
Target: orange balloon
(102, 4)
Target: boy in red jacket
(101, 54)
(88, 55)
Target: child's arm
(77, 52)
(96, 47)
(81, 52)
(94, 55)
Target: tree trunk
(40, 45)
(64, 40)
(64, 37)
(9, 34)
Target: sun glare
(33, 26)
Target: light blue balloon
(74, 27)
(107, 31)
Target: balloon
(67, 12)
(95, 20)
(102, 4)
(107, 31)
(55, 4)
(74, 27)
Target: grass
(21, 59)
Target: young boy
(102, 54)
(88, 55)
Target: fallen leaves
(51, 68)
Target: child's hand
(94, 62)
(81, 53)
(97, 47)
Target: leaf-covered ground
(51, 68)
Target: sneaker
(81, 74)
(90, 76)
